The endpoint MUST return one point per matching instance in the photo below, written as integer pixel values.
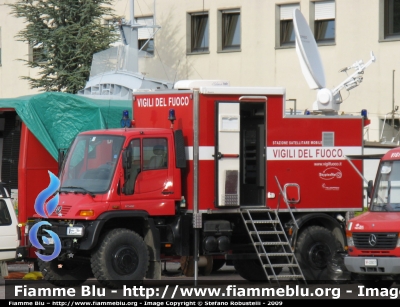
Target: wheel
(217, 264)
(251, 269)
(121, 258)
(314, 249)
(65, 273)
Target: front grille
(64, 211)
(373, 240)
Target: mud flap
(154, 271)
(336, 269)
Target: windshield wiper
(65, 189)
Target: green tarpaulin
(56, 118)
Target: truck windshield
(387, 188)
(90, 164)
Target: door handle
(220, 155)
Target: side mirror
(369, 188)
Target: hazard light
(171, 117)
(125, 120)
(364, 113)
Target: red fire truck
(212, 173)
(373, 237)
(32, 130)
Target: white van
(9, 231)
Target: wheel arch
(323, 220)
(137, 221)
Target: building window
(230, 30)
(145, 34)
(392, 18)
(199, 35)
(287, 35)
(324, 26)
(39, 53)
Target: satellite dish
(307, 51)
(328, 101)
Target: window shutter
(325, 10)
(287, 11)
(145, 33)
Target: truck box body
(239, 123)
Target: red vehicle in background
(373, 237)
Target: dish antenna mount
(328, 100)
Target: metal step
(285, 276)
(267, 232)
(275, 254)
(259, 210)
(282, 265)
(263, 221)
(271, 243)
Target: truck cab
(373, 237)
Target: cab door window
(155, 153)
(134, 147)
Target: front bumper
(69, 241)
(384, 265)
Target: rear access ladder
(271, 244)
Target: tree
(65, 34)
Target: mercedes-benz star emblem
(372, 240)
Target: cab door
(226, 155)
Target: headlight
(77, 231)
(350, 241)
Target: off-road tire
(68, 273)
(314, 249)
(121, 258)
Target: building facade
(252, 43)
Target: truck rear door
(227, 154)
